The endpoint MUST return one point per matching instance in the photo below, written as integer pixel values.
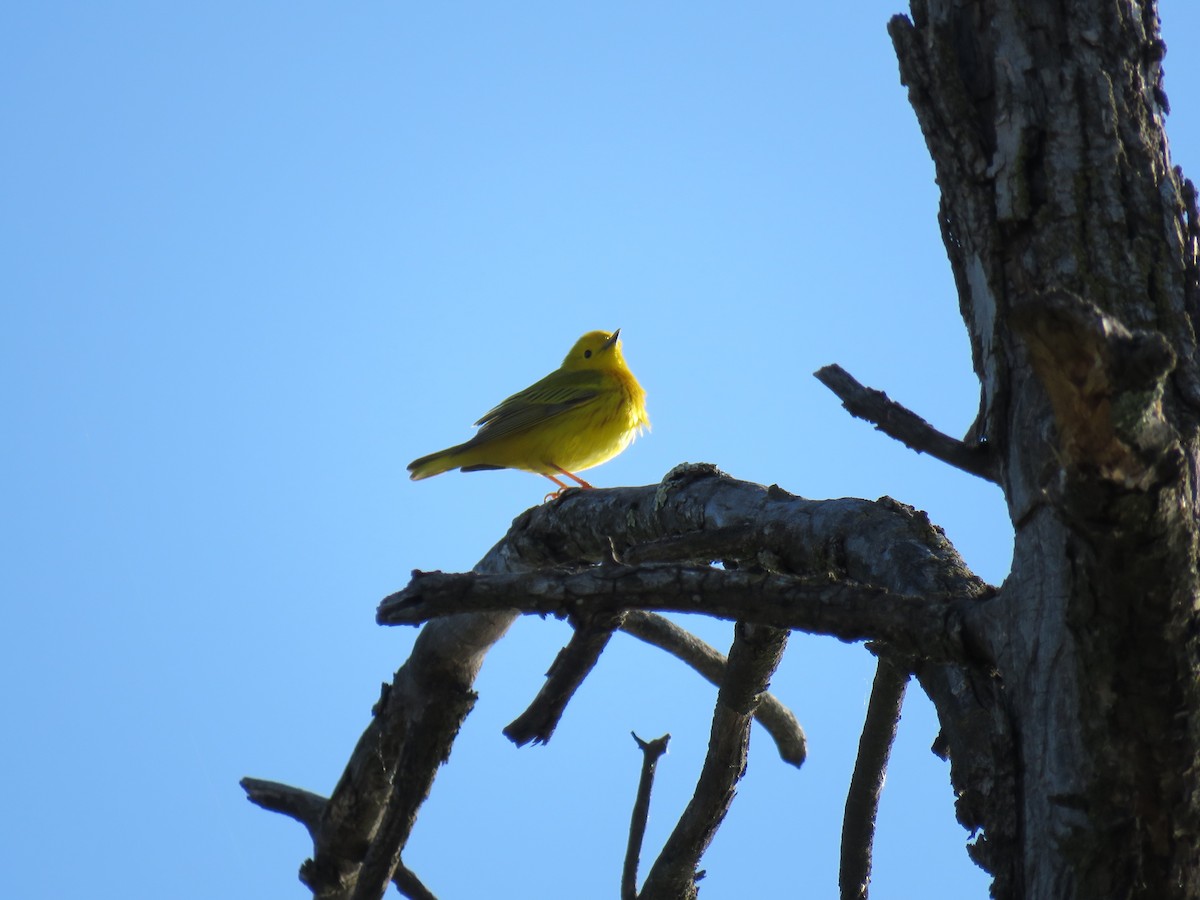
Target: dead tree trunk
(1069, 697)
(1073, 245)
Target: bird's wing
(553, 395)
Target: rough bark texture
(851, 568)
(1069, 699)
(1076, 269)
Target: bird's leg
(573, 477)
(554, 495)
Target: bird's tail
(433, 464)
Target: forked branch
(306, 808)
(819, 557)
(651, 751)
(906, 426)
(778, 721)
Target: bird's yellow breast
(580, 415)
(579, 438)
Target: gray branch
(772, 714)
(818, 554)
(931, 628)
(866, 784)
(753, 658)
(567, 672)
(306, 808)
(906, 426)
(651, 751)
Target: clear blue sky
(257, 257)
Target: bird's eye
(587, 354)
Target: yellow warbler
(580, 415)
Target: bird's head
(596, 350)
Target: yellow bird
(580, 415)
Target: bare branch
(793, 535)
(306, 808)
(866, 785)
(566, 674)
(929, 628)
(410, 885)
(753, 658)
(409, 710)
(303, 806)
(771, 714)
(651, 751)
(418, 763)
(906, 426)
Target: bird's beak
(612, 341)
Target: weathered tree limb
(409, 885)
(932, 628)
(573, 663)
(651, 752)
(866, 784)
(306, 808)
(418, 763)
(1187, 308)
(422, 707)
(1074, 254)
(576, 660)
(709, 545)
(418, 706)
(906, 426)
(303, 806)
(778, 721)
(753, 658)
(882, 543)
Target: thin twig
(906, 426)
(755, 654)
(772, 714)
(566, 674)
(866, 784)
(651, 751)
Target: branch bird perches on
(810, 565)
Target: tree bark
(1069, 698)
(1075, 261)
